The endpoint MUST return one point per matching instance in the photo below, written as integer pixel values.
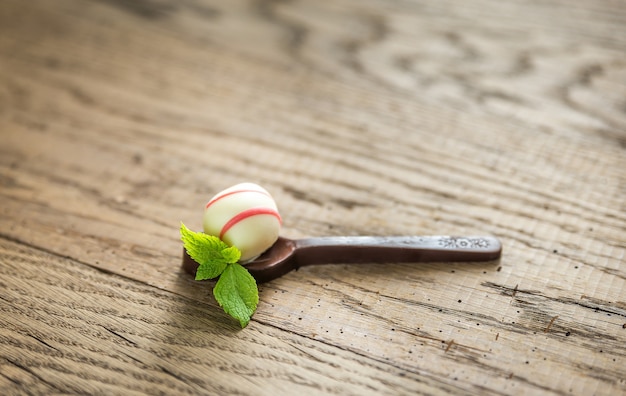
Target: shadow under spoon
(289, 254)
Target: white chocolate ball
(244, 215)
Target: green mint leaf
(232, 254)
(236, 289)
(237, 293)
(211, 253)
(210, 271)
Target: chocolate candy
(244, 215)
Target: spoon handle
(375, 249)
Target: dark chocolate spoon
(287, 254)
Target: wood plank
(117, 122)
(68, 328)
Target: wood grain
(68, 328)
(120, 119)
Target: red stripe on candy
(248, 213)
(211, 202)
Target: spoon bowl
(289, 254)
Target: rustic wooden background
(119, 119)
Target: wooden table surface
(120, 119)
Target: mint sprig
(236, 290)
